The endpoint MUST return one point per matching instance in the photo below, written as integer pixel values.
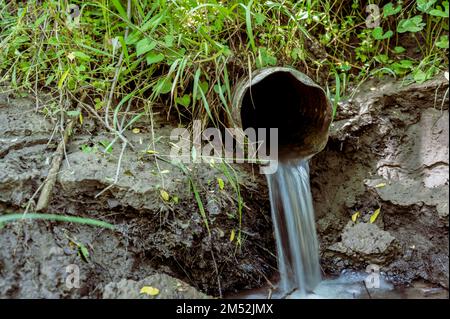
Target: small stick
(288, 293)
(47, 188)
(269, 296)
(367, 290)
(45, 195)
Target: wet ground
(351, 285)
(388, 149)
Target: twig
(219, 286)
(367, 290)
(47, 187)
(46, 192)
(288, 293)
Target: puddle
(350, 285)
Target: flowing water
(298, 249)
(294, 225)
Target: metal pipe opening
(286, 99)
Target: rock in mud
(366, 242)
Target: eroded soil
(388, 149)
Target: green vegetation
(54, 217)
(189, 53)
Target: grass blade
(53, 217)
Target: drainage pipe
(284, 98)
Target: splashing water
(294, 225)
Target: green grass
(189, 54)
(53, 217)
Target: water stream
(298, 249)
(294, 226)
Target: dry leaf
(374, 216)
(221, 183)
(151, 152)
(355, 216)
(232, 235)
(164, 195)
(380, 185)
(149, 290)
(166, 171)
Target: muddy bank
(156, 234)
(388, 149)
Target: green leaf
(81, 55)
(399, 50)
(148, 290)
(195, 89)
(84, 252)
(62, 79)
(413, 24)
(73, 113)
(86, 149)
(265, 58)
(425, 5)
(355, 216)
(164, 195)
(133, 38)
(402, 66)
(203, 85)
(49, 79)
(221, 183)
(220, 88)
(382, 58)
(377, 33)
(232, 235)
(185, 100)
(389, 10)
(164, 85)
(406, 63)
(153, 57)
(120, 9)
(168, 39)
(107, 145)
(438, 12)
(420, 76)
(259, 19)
(248, 22)
(374, 216)
(443, 42)
(144, 46)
